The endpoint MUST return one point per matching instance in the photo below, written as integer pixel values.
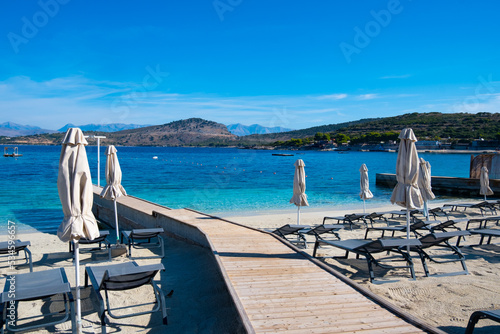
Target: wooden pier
(274, 286)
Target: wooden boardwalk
(276, 287)
(282, 290)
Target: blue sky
(294, 64)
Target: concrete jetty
(446, 185)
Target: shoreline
(356, 149)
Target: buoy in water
(155, 157)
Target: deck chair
(367, 248)
(483, 207)
(376, 217)
(478, 315)
(350, 219)
(438, 212)
(288, 230)
(99, 240)
(13, 247)
(34, 286)
(486, 232)
(141, 238)
(482, 221)
(319, 231)
(417, 225)
(441, 239)
(121, 277)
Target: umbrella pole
(77, 286)
(364, 209)
(408, 229)
(116, 223)
(298, 215)
(426, 211)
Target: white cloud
(367, 96)
(332, 97)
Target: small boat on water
(283, 155)
(15, 152)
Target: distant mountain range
(113, 127)
(245, 130)
(10, 129)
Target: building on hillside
(428, 145)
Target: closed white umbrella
(74, 184)
(299, 197)
(364, 184)
(114, 188)
(424, 184)
(406, 193)
(485, 183)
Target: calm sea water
(212, 180)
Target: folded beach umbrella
(485, 183)
(424, 184)
(299, 197)
(74, 184)
(364, 184)
(406, 193)
(113, 188)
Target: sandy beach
(200, 303)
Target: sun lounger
(34, 286)
(137, 239)
(120, 277)
(288, 230)
(482, 206)
(482, 221)
(99, 240)
(419, 224)
(478, 315)
(438, 212)
(486, 232)
(319, 231)
(13, 247)
(441, 239)
(367, 248)
(350, 219)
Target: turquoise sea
(212, 180)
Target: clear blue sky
(294, 64)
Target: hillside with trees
(452, 128)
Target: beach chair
(417, 225)
(142, 238)
(368, 248)
(288, 230)
(321, 230)
(442, 240)
(482, 221)
(350, 219)
(121, 277)
(438, 212)
(486, 232)
(13, 247)
(99, 240)
(478, 315)
(39, 285)
(483, 207)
